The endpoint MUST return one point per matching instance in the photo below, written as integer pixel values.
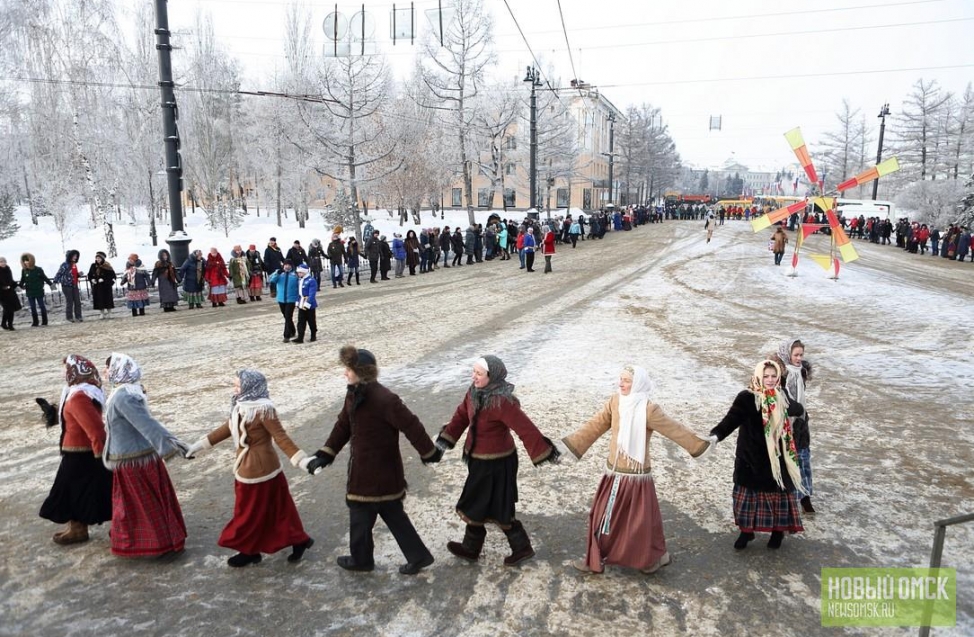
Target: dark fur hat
(360, 361)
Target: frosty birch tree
(962, 153)
(453, 74)
(494, 121)
(916, 131)
(209, 118)
(841, 146)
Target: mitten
(196, 447)
(443, 443)
(436, 457)
(555, 456)
(319, 461)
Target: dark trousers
(373, 268)
(574, 240)
(34, 302)
(307, 318)
(547, 263)
(272, 288)
(287, 309)
(529, 260)
(362, 517)
(457, 258)
(72, 301)
(777, 257)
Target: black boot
(807, 505)
(314, 337)
(520, 543)
(357, 282)
(135, 312)
(242, 559)
(141, 311)
(297, 551)
(776, 538)
(258, 297)
(742, 540)
(43, 318)
(473, 542)
(350, 278)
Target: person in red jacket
(216, 274)
(488, 413)
(548, 249)
(82, 490)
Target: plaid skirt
(265, 519)
(146, 518)
(766, 511)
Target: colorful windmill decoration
(840, 242)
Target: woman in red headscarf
(82, 490)
(216, 274)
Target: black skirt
(82, 491)
(490, 492)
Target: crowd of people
(114, 453)
(292, 278)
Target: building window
(510, 143)
(510, 198)
(561, 198)
(483, 197)
(457, 198)
(510, 168)
(587, 198)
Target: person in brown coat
(371, 419)
(778, 242)
(265, 519)
(625, 525)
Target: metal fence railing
(936, 556)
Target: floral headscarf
(253, 386)
(777, 427)
(498, 389)
(122, 370)
(78, 369)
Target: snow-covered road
(890, 413)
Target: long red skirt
(632, 533)
(146, 518)
(265, 519)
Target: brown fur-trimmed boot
(76, 534)
(473, 543)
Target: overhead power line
(567, 44)
(537, 64)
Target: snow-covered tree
(842, 146)
(8, 223)
(453, 72)
(918, 130)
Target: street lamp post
(883, 112)
(612, 121)
(533, 77)
(178, 239)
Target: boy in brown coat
(372, 419)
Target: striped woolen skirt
(146, 518)
(766, 511)
(625, 526)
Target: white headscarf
(631, 443)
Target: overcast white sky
(765, 66)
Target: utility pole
(612, 122)
(533, 78)
(883, 112)
(178, 239)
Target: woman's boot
(135, 312)
(76, 533)
(521, 549)
(473, 542)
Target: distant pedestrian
(68, 277)
(286, 282)
(164, 276)
(136, 282)
(217, 276)
(194, 279)
(9, 300)
(307, 304)
(32, 280)
(101, 278)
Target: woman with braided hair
(488, 413)
(766, 470)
